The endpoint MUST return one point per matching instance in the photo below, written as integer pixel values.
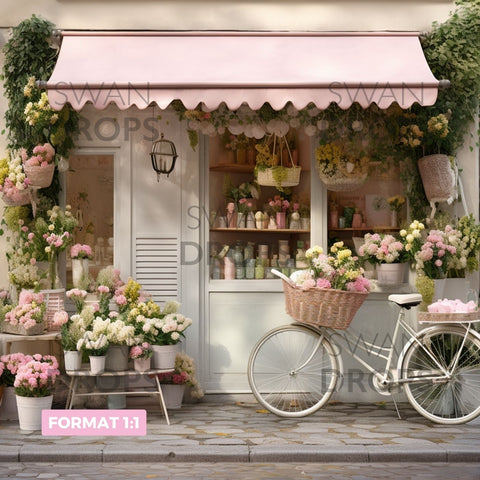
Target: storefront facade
(161, 229)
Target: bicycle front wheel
(448, 399)
(292, 371)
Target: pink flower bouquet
(144, 350)
(81, 251)
(36, 377)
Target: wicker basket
(265, 177)
(20, 329)
(427, 317)
(40, 176)
(321, 306)
(22, 197)
(341, 183)
(438, 178)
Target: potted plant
(174, 383)
(28, 317)
(33, 385)
(14, 184)
(80, 255)
(278, 207)
(96, 345)
(142, 356)
(387, 253)
(9, 365)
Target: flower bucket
(116, 359)
(40, 177)
(54, 300)
(141, 364)
(73, 359)
(164, 356)
(30, 411)
(8, 407)
(173, 395)
(97, 364)
(391, 273)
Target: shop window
(89, 190)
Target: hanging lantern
(163, 155)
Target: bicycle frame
(386, 377)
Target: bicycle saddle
(406, 300)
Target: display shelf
(366, 229)
(232, 167)
(258, 230)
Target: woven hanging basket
(324, 307)
(40, 177)
(292, 178)
(290, 174)
(438, 177)
(341, 183)
(21, 197)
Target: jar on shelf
(300, 259)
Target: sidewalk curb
(242, 454)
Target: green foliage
(452, 50)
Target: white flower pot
(97, 364)
(164, 356)
(73, 360)
(173, 395)
(116, 359)
(30, 411)
(390, 273)
(142, 364)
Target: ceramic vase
(80, 267)
(164, 356)
(250, 220)
(30, 411)
(281, 219)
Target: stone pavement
(234, 430)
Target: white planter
(142, 364)
(439, 289)
(30, 411)
(79, 270)
(456, 288)
(391, 273)
(97, 364)
(73, 360)
(173, 395)
(8, 407)
(164, 355)
(116, 359)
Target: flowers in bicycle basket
(339, 270)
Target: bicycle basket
(324, 307)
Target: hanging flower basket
(270, 170)
(21, 197)
(438, 177)
(342, 183)
(40, 177)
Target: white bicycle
(293, 370)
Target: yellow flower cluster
(438, 126)
(332, 159)
(411, 135)
(396, 202)
(265, 157)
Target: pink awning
(138, 68)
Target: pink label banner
(94, 422)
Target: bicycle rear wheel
(292, 371)
(452, 400)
